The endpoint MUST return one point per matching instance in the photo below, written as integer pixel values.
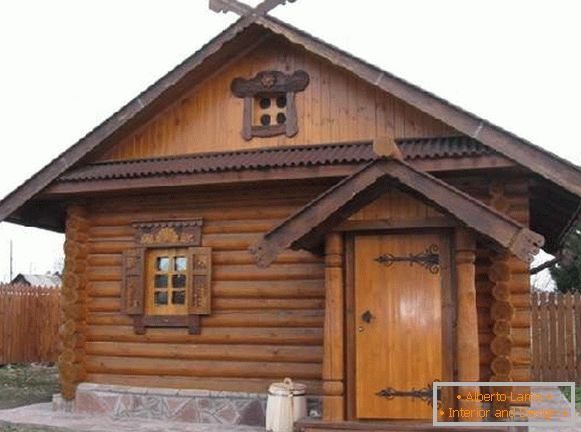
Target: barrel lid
(287, 387)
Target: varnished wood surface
(334, 340)
(265, 324)
(402, 346)
(336, 106)
(255, 307)
(396, 206)
(516, 194)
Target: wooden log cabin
(275, 207)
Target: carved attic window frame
(270, 85)
(149, 236)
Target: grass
(567, 393)
(25, 385)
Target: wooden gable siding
(396, 205)
(266, 324)
(336, 106)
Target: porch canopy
(307, 227)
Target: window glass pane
(180, 264)
(281, 101)
(162, 264)
(178, 281)
(160, 281)
(178, 297)
(160, 298)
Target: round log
(66, 356)
(501, 365)
(501, 291)
(501, 310)
(499, 272)
(501, 327)
(333, 388)
(501, 345)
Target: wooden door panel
(401, 346)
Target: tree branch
(544, 266)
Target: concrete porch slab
(42, 415)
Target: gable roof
(238, 37)
(305, 229)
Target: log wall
(508, 194)
(336, 106)
(265, 324)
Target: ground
(26, 384)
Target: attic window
(269, 103)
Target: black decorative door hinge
(429, 259)
(425, 394)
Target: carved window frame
(270, 84)
(149, 236)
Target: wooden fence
(29, 324)
(556, 329)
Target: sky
(67, 65)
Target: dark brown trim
(305, 228)
(463, 163)
(149, 183)
(269, 84)
(252, 175)
(386, 224)
(267, 131)
(191, 322)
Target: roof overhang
(242, 36)
(306, 228)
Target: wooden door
(400, 331)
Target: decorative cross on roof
(243, 9)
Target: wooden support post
(333, 363)
(467, 348)
(71, 359)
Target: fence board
(556, 337)
(29, 323)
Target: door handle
(367, 316)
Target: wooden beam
(160, 182)
(333, 352)
(467, 346)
